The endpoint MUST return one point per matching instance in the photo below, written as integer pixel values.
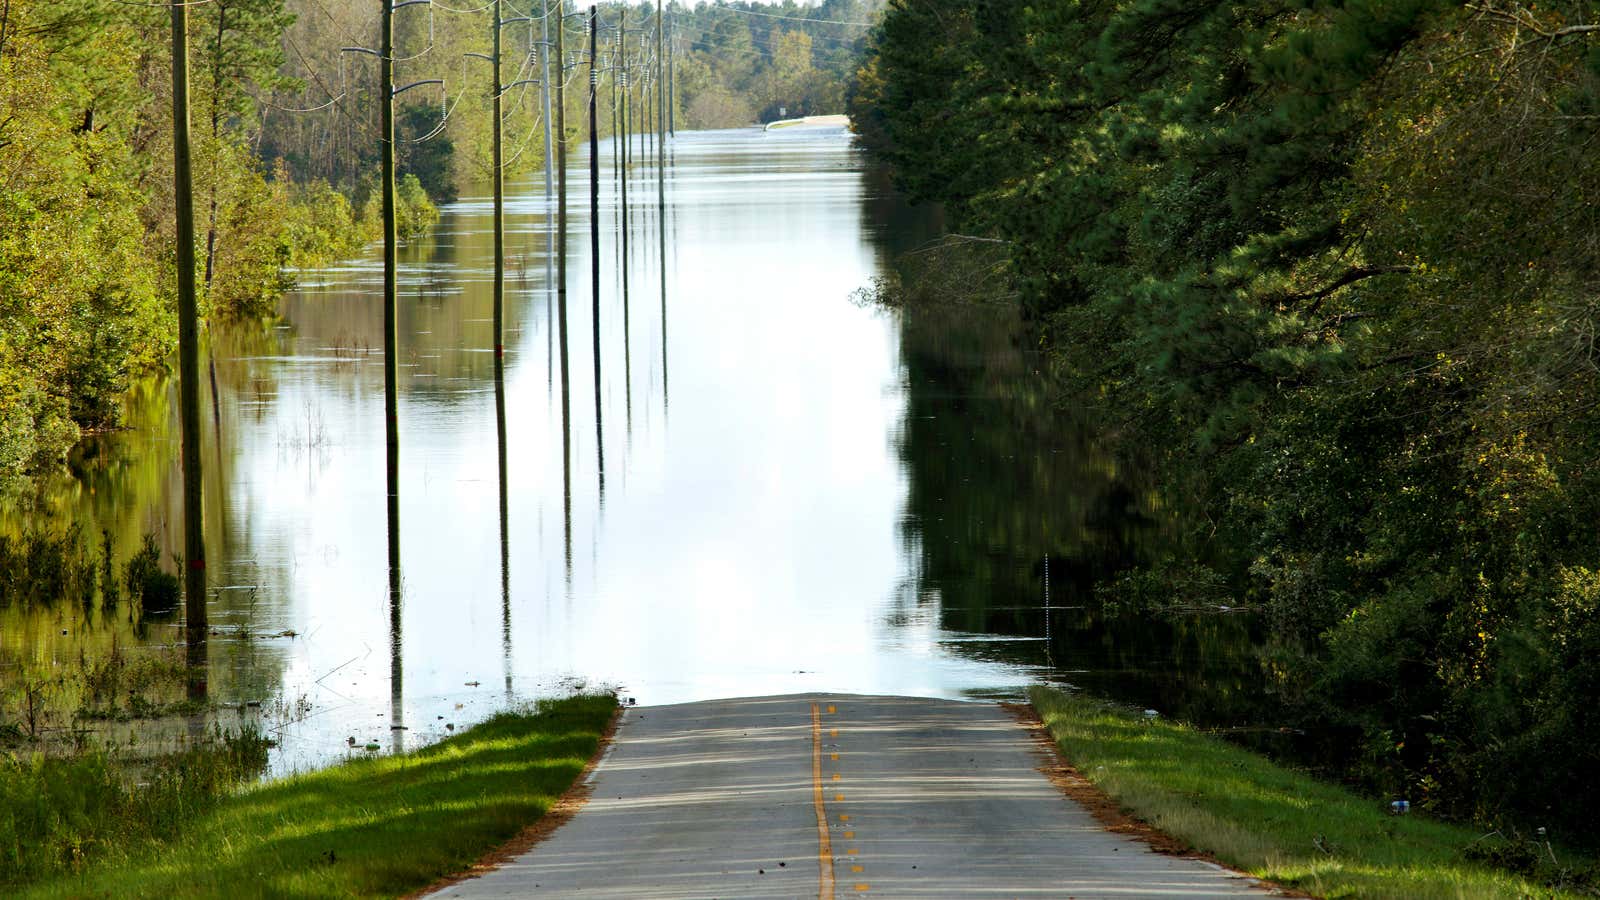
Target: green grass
(370, 827)
(1279, 824)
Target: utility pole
(594, 227)
(194, 548)
(620, 143)
(499, 177)
(561, 283)
(391, 378)
(561, 171)
(672, 83)
(661, 118)
(544, 93)
(594, 167)
(497, 90)
(391, 371)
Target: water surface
(760, 486)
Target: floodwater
(761, 485)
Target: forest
(286, 158)
(1330, 271)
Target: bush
(148, 585)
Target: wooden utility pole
(619, 144)
(672, 84)
(498, 152)
(194, 548)
(594, 228)
(561, 169)
(661, 100)
(391, 370)
(561, 281)
(544, 94)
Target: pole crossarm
(395, 92)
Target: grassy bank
(1286, 827)
(370, 827)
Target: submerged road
(831, 796)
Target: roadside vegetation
(86, 240)
(1287, 827)
(378, 826)
(1328, 274)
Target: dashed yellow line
(824, 842)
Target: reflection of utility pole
(194, 548)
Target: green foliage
(86, 210)
(147, 584)
(744, 62)
(42, 567)
(1337, 262)
(1283, 825)
(382, 826)
(59, 813)
(414, 213)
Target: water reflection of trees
(998, 478)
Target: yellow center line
(824, 842)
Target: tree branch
(1351, 276)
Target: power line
(751, 12)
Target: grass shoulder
(1284, 826)
(375, 827)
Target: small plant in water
(148, 585)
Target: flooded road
(761, 486)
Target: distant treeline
(732, 64)
(1333, 270)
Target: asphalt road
(829, 796)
